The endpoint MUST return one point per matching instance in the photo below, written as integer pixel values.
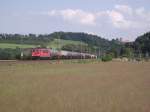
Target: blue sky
(125, 19)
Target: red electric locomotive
(41, 53)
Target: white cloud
(143, 14)
(140, 11)
(75, 16)
(52, 13)
(79, 16)
(124, 9)
(125, 17)
(120, 17)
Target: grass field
(13, 46)
(53, 44)
(39, 86)
(59, 43)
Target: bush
(107, 58)
(9, 54)
(5, 55)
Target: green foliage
(79, 42)
(77, 48)
(59, 43)
(13, 46)
(95, 42)
(91, 40)
(127, 52)
(142, 44)
(5, 55)
(107, 57)
(9, 54)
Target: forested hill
(10, 44)
(92, 41)
(142, 43)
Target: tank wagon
(46, 53)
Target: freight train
(47, 53)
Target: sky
(109, 19)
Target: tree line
(94, 44)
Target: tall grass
(39, 86)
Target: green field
(57, 43)
(40, 86)
(13, 46)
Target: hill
(59, 43)
(67, 40)
(79, 42)
(142, 43)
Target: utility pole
(140, 55)
(58, 47)
(22, 54)
(99, 52)
(81, 48)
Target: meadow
(59, 43)
(14, 46)
(56, 43)
(43, 86)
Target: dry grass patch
(103, 87)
